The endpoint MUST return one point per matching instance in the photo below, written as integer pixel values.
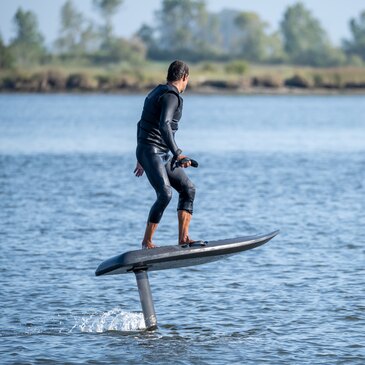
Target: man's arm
(169, 104)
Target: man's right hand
(185, 164)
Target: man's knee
(165, 195)
(190, 190)
(186, 198)
(187, 193)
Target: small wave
(113, 320)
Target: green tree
(186, 28)
(305, 41)
(89, 39)
(245, 36)
(77, 35)
(6, 58)
(147, 36)
(211, 35)
(107, 9)
(28, 44)
(132, 51)
(356, 46)
(71, 28)
(252, 41)
(275, 52)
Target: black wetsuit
(156, 139)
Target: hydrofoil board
(170, 257)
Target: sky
(333, 14)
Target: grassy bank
(205, 77)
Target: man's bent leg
(148, 235)
(163, 199)
(155, 170)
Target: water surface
(68, 200)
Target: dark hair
(177, 70)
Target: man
(155, 141)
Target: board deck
(170, 257)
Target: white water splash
(114, 320)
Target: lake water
(69, 200)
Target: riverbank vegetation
(231, 50)
(207, 77)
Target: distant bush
(354, 85)
(119, 51)
(220, 84)
(266, 81)
(355, 60)
(297, 81)
(7, 82)
(123, 50)
(56, 80)
(81, 81)
(238, 67)
(105, 81)
(208, 67)
(20, 81)
(328, 81)
(318, 80)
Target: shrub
(220, 84)
(81, 81)
(208, 67)
(266, 81)
(238, 67)
(56, 80)
(297, 81)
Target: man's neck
(176, 84)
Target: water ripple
(68, 200)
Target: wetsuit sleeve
(169, 104)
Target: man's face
(185, 81)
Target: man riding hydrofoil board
(156, 130)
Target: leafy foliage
(184, 29)
(238, 67)
(77, 35)
(6, 58)
(252, 38)
(107, 9)
(356, 46)
(305, 41)
(28, 45)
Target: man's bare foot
(187, 241)
(148, 245)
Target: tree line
(183, 29)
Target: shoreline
(283, 91)
(258, 81)
(212, 80)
